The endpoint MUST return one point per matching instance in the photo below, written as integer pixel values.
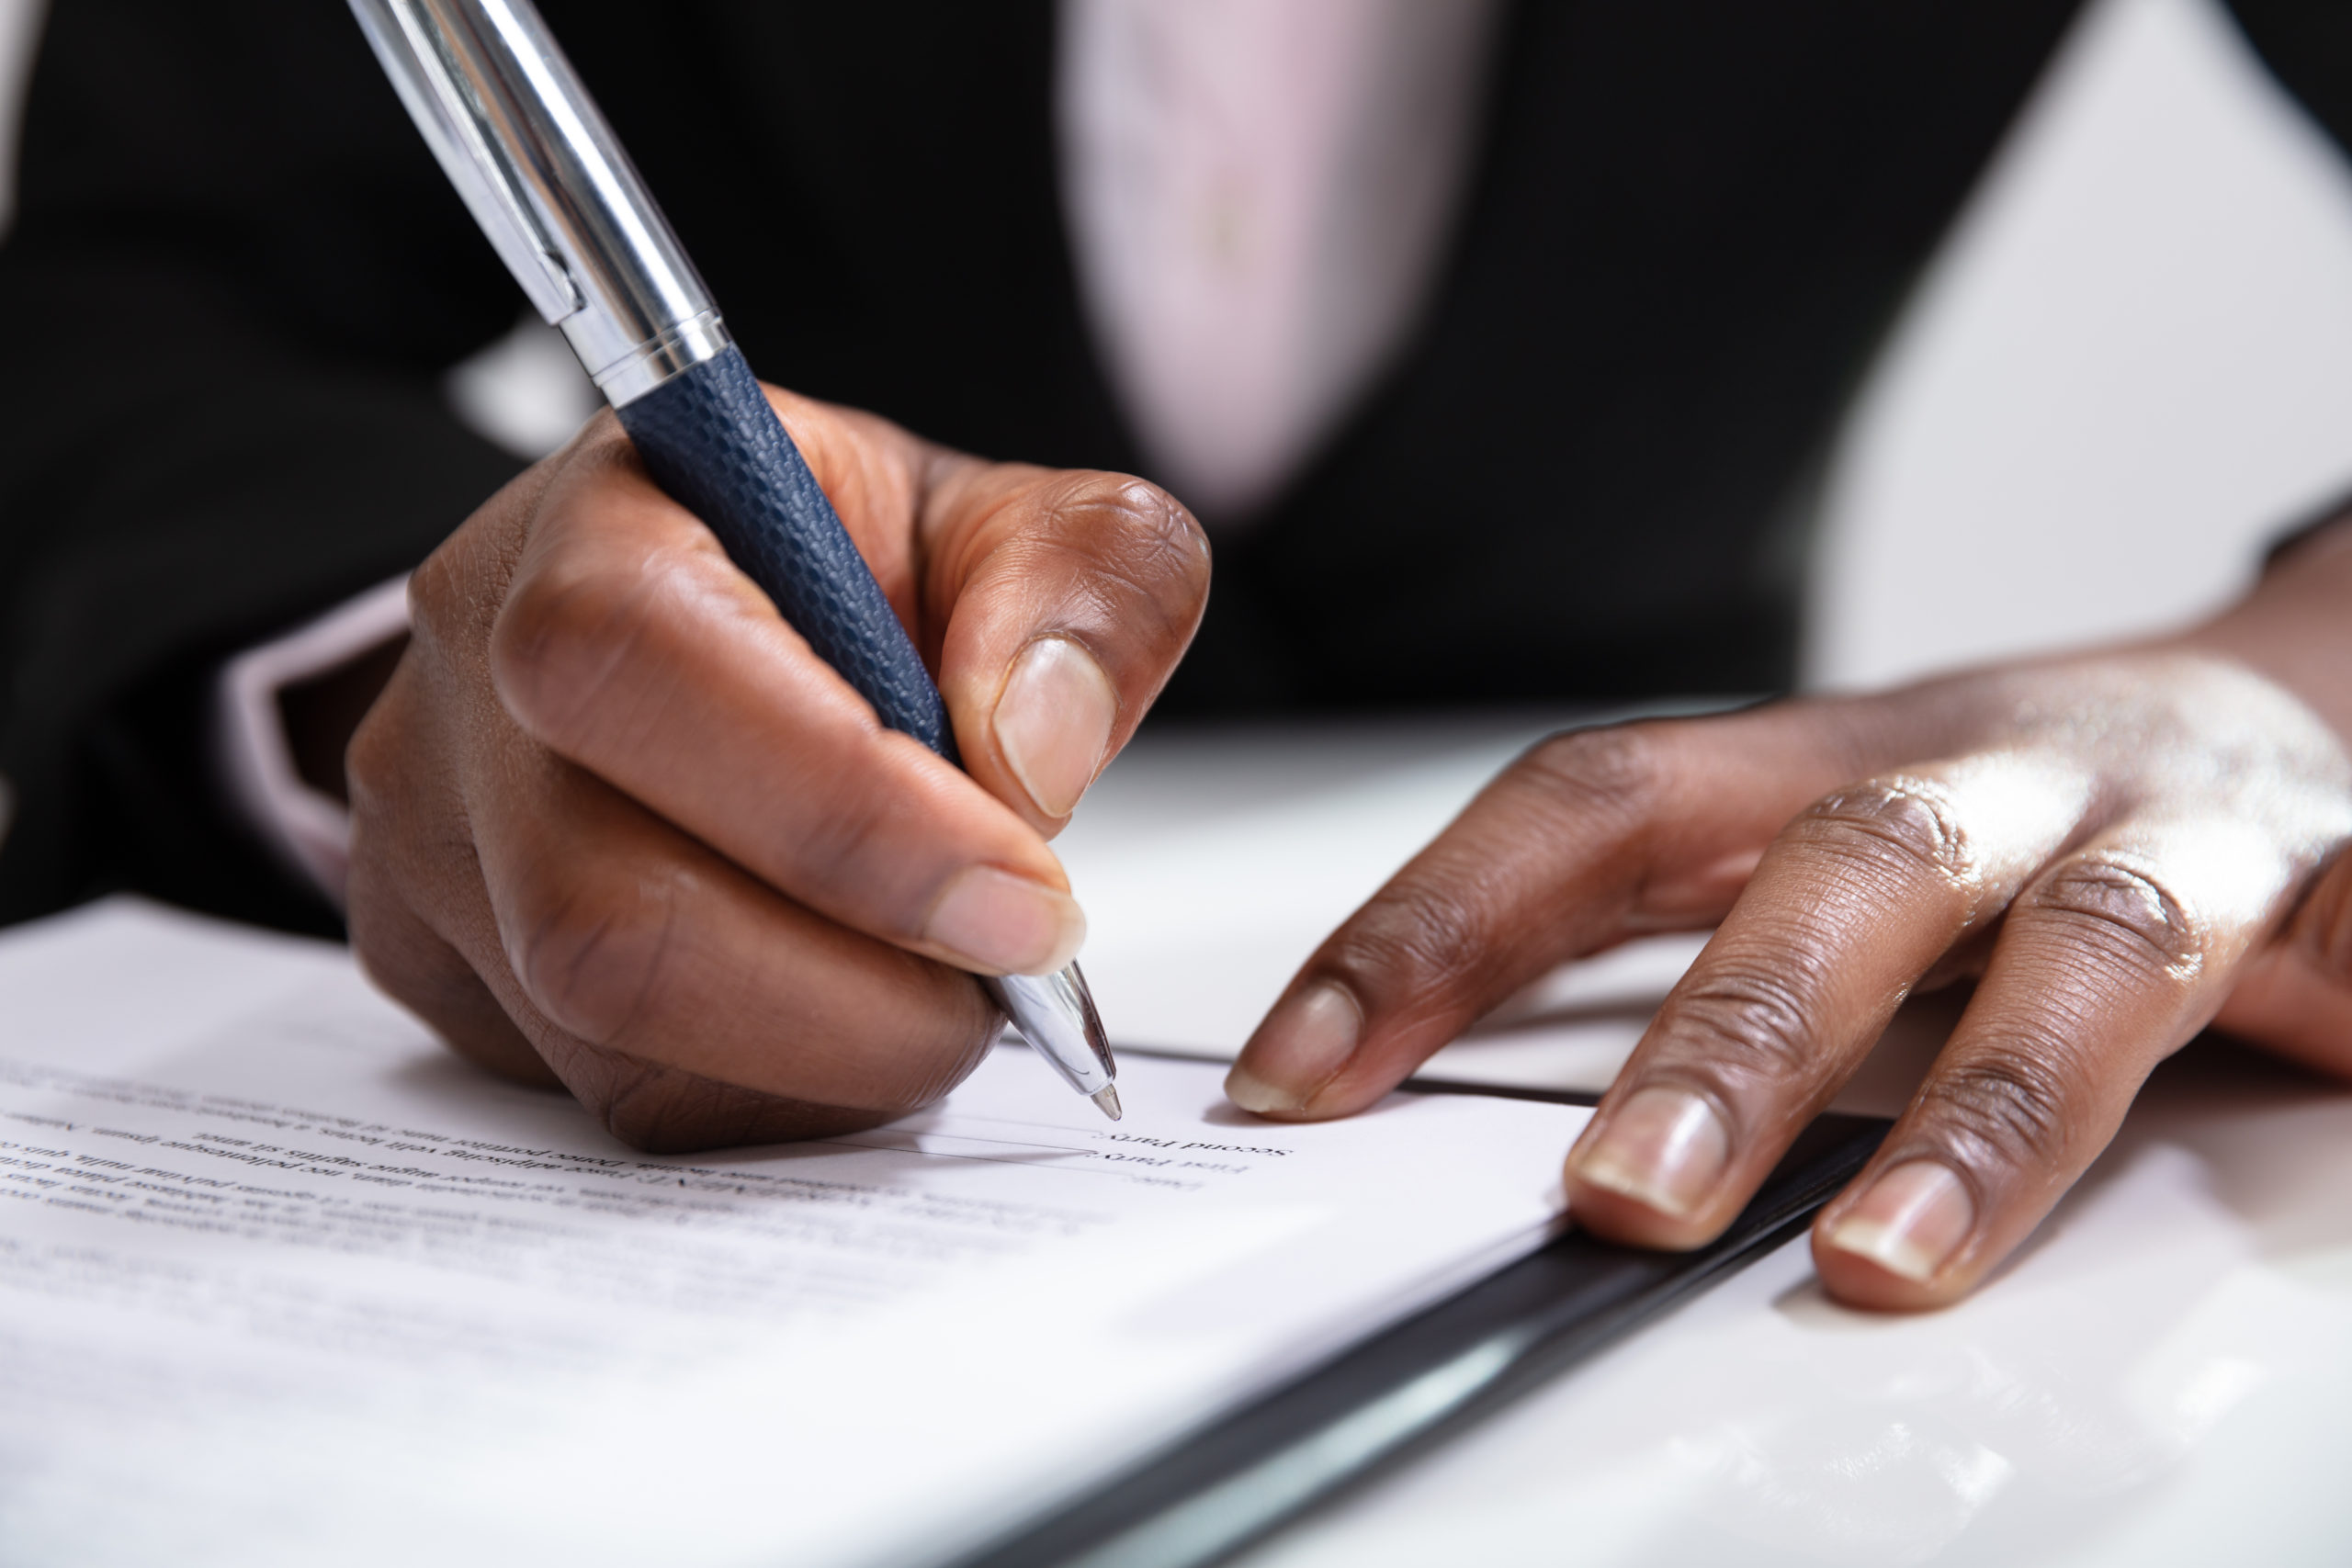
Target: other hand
(615, 826)
(2122, 847)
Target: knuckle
(562, 639)
(401, 809)
(457, 589)
(843, 837)
(1618, 770)
(1903, 824)
(2125, 909)
(1147, 544)
(1415, 938)
(371, 763)
(1749, 1025)
(437, 594)
(2005, 1106)
(405, 960)
(593, 953)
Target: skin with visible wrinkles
(616, 827)
(2120, 848)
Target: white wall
(2133, 365)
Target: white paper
(281, 1281)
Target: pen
(548, 182)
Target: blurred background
(2127, 371)
(2132, 365)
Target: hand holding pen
(616, 820)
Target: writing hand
(2123, 848)
(615, 825)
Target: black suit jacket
(236, 277)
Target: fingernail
(1662, 1147)
(1295, 1051)
(999, 923)
(1054, 722)
(1910, 1222)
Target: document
(282, 1281)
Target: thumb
(1067, 599)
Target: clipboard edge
(1148, 1514)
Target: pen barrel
(710, 440)
(524, 144)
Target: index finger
(1589, 838)
(627, 643)
(1054, 603)
(1069, 597)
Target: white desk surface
(2163, 1375)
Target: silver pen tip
(1107, 1096)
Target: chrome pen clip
(548, 182)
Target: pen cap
(547, 180)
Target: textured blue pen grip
(710, 440)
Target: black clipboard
(1230, 1482)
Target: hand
(615, 825)
(2123, 848)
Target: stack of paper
(281, 1281)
